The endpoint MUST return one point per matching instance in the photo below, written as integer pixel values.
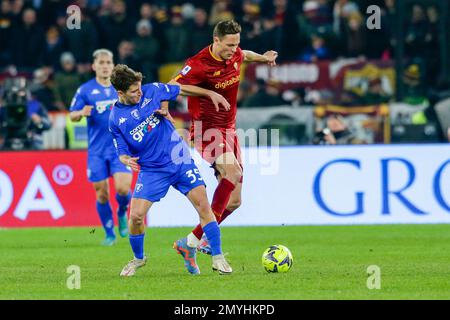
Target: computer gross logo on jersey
(145, 126)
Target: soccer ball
(277, 258)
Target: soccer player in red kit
(213, 130)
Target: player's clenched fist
(271, 56)
(86, 111)
(130, 161)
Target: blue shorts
(153, 184)
(102, 167)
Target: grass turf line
(330, 262)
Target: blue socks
(212, 232)
(123, 203)
(105, 213)
(137, 244)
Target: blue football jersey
(139, 132)
(102, 99)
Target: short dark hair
(123, 77)
(226, 27)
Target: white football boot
(220, 264)
(131, 267)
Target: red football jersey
(212, 73)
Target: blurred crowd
(147, 34)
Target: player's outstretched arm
(268, 57)
(217, 99)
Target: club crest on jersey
(235, 65)
(186, 70)
(135, 114)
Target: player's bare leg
(199, 200)
(187, 247)
(228, 168)
(233, 204)
(138, 211)
(104, 211)
(184, 246)
(122, 184)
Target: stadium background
(383, 92)
(369, 86)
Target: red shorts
(214, 143)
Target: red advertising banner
(47, 189)
(351, 74)
(292, 75)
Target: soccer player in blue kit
(147, 141)
(94, 100)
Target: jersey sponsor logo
(185, 70)
(122, 120)
(135, 114)
(102, 106)
(145, 126)
(146, 102)
(227, 83)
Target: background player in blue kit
(94, 100)
(145, 139)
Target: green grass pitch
(330, 262)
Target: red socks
(222, 196)
(219, 203)
(198, 231)
(224, 215)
